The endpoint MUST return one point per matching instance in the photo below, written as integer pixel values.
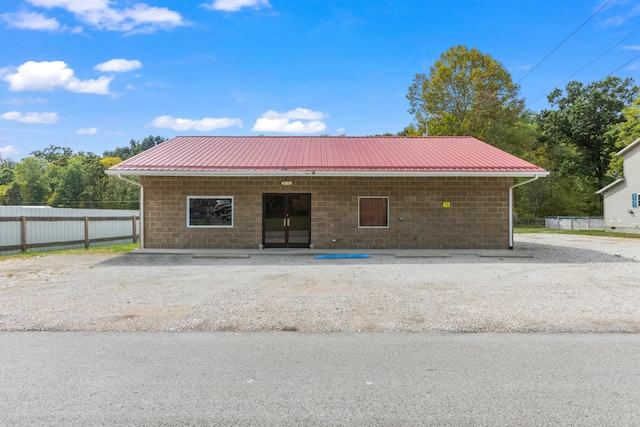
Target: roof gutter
(336, 173)
(141, 207)
(511, 206)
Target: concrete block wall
(477, 216)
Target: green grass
(95, 250)
(598, 233)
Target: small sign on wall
(446, 204)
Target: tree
(95, 181)
(118, 194)
(466, 92)
(53, 154)
(625, 133)
(135, 147)
(586, 119)
(12, 195)
(6, 176)
(69, 184)
(30, 175)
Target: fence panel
(10, 227)
(574, 223)
(40, 229)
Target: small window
(373, 212)
(210, 211)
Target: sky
(93, 74)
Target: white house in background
(621, 197)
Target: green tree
(585, 118)
(6, 176)
(31, 177)
(135, 147)
(625, 133)
(69, 184)
(466, 92)
(12, 195)
(95, 181)
(118, 194)
(53, 154)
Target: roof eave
(628, 147)
(285, 173)
(610, 186)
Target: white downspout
(141, 208)
(511, 207)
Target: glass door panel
(274, 225)
(299, 220)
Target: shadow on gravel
(541, 253)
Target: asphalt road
(291, 378)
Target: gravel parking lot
(569, 284)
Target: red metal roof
(282, 155)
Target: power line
(600, 56)
(624, 65)
(563, 41)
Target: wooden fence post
(86, 232)
(135, 233)
(24, 234)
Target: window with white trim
(209, 211)
(373, 212)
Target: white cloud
(9, 151)
(87, 131)
(40, 118)
(205, 124)
(621, 16)
(25, 101)
(236, 5)
(272, 121)
(48, 76)
(30, 21)
(99, 14)
(297, 113)
(119, 65)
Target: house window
(373, 212)
(216, 211)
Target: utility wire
(601, 55)
(624, 65)
(563, 41)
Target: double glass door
(286, 220)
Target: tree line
(58, 177)
(466, 92)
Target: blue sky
(93, 74)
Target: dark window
(210, 211)
(373, 212)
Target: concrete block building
(326, 192)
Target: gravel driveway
(570, 284)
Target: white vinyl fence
(47, 229)
(574, 222)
